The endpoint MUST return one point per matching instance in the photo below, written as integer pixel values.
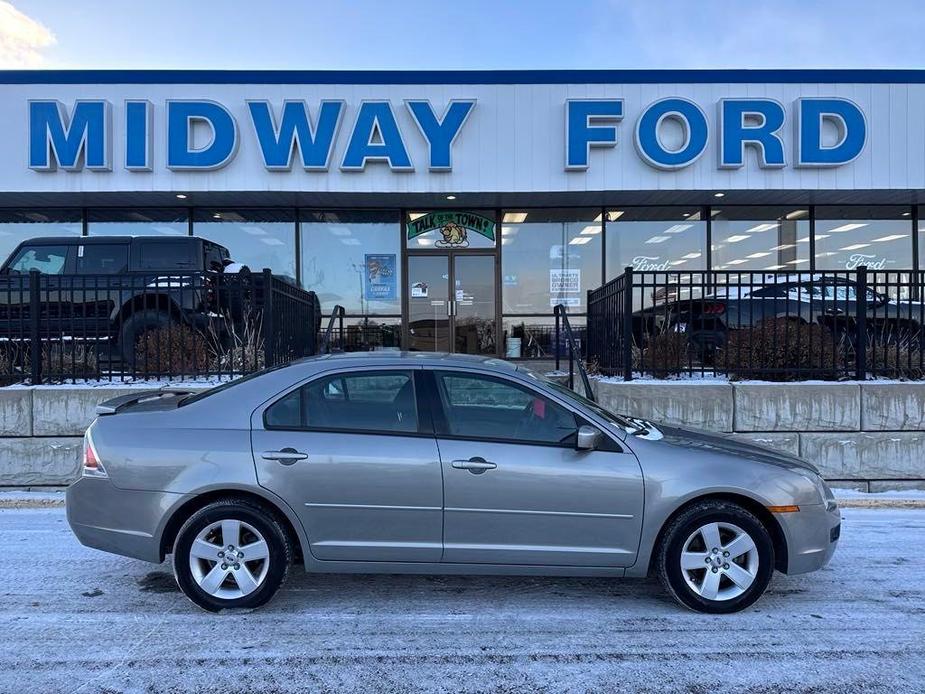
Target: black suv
(112, 287)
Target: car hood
(720, 443)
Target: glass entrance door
(452, 303)
(428, 303)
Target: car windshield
(628, 424)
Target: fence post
(627, 326)
(35, 338)
(268, 327)
(860, 324)
(555, 311)
(589, 319)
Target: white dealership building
(427, 202)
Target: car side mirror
(589, 438)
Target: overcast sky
(460, 34)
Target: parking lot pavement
(74, 619)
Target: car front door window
(484, 407)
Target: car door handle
(286, 456)
(474, 465)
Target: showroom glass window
(655, 238)
(256, 238)
(879, 237)
(549, 257)
(760, 238)
(18, 225)
(138, 222)
(353, 258)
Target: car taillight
(92, 465)
(714, 308)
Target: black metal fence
(365, 336)
(546, 341)
(767, 325)
(181, 325)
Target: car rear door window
(102, 258)
(166, 255)
(380, 402)
(215, 256)
(484, 407)
(49, 260)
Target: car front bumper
(812, 535)
(120, 521)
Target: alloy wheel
(719, 561)
(229, 559)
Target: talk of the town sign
(80, 136)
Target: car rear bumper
(120, 521)
(812, 535)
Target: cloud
(22, 39)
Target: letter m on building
(81, 139)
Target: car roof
(83, 240)
(396, 357)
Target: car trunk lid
(148, 400)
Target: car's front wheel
(231, 554)
(716, 557)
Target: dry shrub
(238, 345)
(60, 361)
(69, 360)
(593, 367)
(782, 349)
(664, 354)
(177, 350)
(14, 361)
(902, 360)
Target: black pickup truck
(112, 287)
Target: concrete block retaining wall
(871, 436)
(41, 431)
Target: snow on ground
(851, 494)
(78, 620)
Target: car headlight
(828, 498)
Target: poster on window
(380, 277)
(564, 281)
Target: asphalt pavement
(78, 620)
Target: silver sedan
(423, 463)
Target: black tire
(671, 545)
(265, 521)
(135, 326)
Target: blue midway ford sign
(295, 132)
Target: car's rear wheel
(231, 554)
(716, 557)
